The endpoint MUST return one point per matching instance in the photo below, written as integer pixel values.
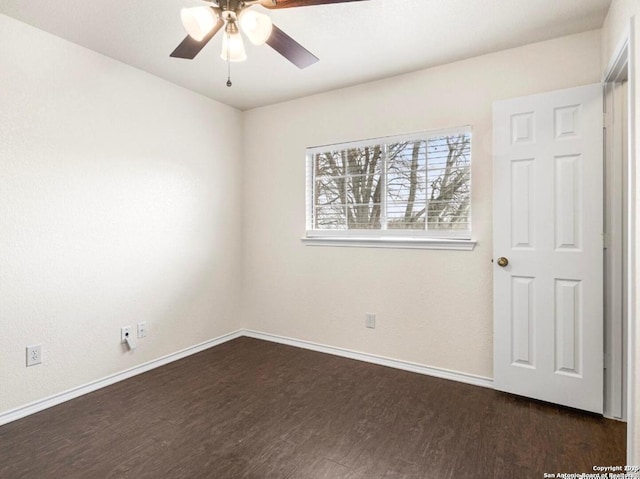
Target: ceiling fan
(202, 23)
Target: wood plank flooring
(252, 409)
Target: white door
(548, 223)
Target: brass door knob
(502, 261)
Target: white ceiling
(356, 42)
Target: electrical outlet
(142, 329)
(370, 320)
(34, 355)
(125, 332)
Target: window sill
(401, 243)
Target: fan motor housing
(230, 5)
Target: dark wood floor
(253, 409)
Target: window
(413, 189)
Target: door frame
(616, 164)
(624, 58)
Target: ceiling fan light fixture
(198, 21)
(232, 45)
(257, 26)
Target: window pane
(406, 185)
(364, 216)
(347, 183)
(329, 164)
(329, 212)
(448, 182)
(330, 217)
(329, 191)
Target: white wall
(621, 15)
(433, 307)
(119, 202)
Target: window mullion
(426, 186)
(311, 192)
(346, 189)
(383, 179)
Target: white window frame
(384, 238)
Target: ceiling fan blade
(274, 4)
(290, 49)
(189, 47)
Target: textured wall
(433, 307)
(119, 202)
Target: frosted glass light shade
(198, 21)
(257, 26)
(232, 43)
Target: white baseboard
(64, 396)
(374, 359)
(59, 398)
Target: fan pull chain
(229, 84)
(228, 54)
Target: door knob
(502, 261)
